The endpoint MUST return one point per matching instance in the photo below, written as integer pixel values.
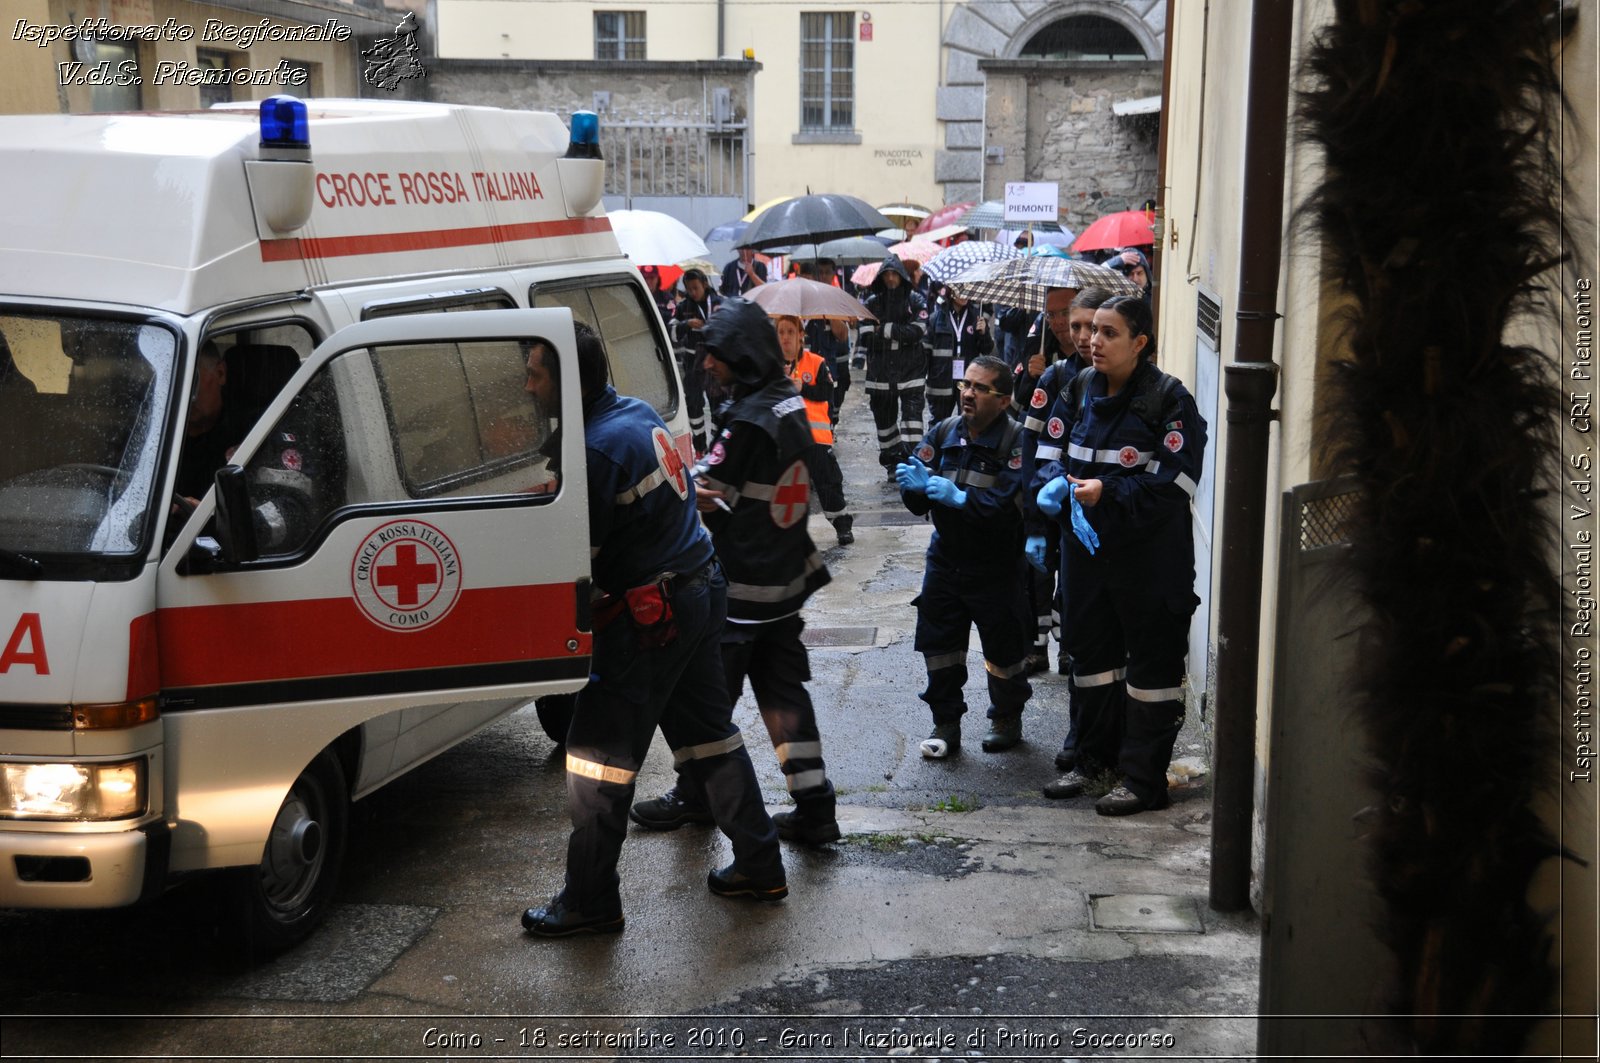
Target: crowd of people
(1056, 463)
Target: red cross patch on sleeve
(1173, 441)
(1055, 428)
(1039, 399)
(925, 453)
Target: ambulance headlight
(87, 791)
(284, 123)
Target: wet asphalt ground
(963, 914)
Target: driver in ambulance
(283, 487)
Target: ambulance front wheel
(555, 715)
(287, 895)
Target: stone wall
(983, 30)
(666, 130)
(1053, 121)
(643, 88)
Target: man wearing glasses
(968, 473)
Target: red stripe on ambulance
(267, 641)
(425, 239)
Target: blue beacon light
(585, 143)
(284, 123)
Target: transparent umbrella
(807, 299)
(652, 238)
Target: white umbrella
(652, 238)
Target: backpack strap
(1151, 405)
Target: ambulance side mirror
(235, 525)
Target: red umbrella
(1125, 228)
(944, 216)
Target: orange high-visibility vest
(815, 391)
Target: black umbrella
(810, 219)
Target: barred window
(212, 60)
(827, 71)
(619, 34)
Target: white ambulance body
(400, 556)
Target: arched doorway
(1082, 38)
(1067, 30)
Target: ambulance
(201, 667)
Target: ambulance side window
(401, 422)
(639, 357)
(462, 422)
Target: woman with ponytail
(1118, 462)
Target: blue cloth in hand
(1034, 549)
(1051, 496)
(1080, 523)
(912, 475)
(946, 491)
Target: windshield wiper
(16, 564)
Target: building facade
(1311, 864)
(76, 56)
(887, 103)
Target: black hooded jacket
(901, 313)
(760, 462)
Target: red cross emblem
(1127, 457)
(671, 462)
(406, 575)
(1173, 441)
(789, 496)
(1039, 399)
(1055, 428)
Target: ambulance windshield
(83, 404)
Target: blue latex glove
(1080, 523)
(1034, 549)
(1052, 494)
(946, 491)
(912, 475)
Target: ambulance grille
(35, 718)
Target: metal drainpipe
(722, 9)
(1249, 381)
(1161, 170)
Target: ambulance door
(413, 554)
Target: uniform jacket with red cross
(987, 531)
(759, 462)
(642, 519)
(1146, 445)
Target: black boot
(813, 821)
(841, 527)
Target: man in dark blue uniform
(968, 472)
(753, 491)
(742, 274)
(897, 363)
(960, 333)
(689, 318)
(662, 601)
